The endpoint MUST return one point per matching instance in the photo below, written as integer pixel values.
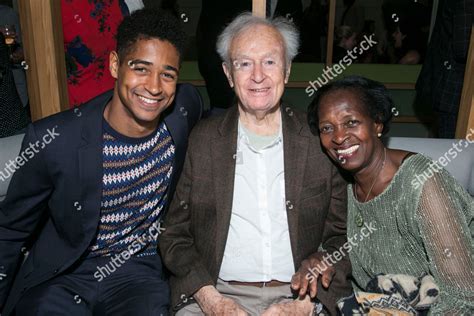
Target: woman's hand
(307, 276)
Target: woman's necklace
(358, 218)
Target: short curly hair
(374, 96)
(149, 24)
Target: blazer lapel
(177, 125)
(90, 168)
(295, 147)
(223, 158)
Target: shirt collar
(243, 137)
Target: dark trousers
(136, 287)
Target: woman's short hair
(373, 96)
(246, 21)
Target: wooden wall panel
(466, 107)
(331, 27)
(259, 8)
(44, 53)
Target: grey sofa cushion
(461, 165)
(9, 150)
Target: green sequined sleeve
(445, 218)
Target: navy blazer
(53, 202)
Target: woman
(423, 229)
(406, 48)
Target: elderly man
(257, 196)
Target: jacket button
(56, 271)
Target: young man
(90, 184)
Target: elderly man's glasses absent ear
(248, 65)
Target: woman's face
(347, 131)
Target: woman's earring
(379, 134)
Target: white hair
(245, 21)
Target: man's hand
(298, 307)
(305, 280)
(213, 303)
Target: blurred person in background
(441, 79)
(345, 39)
(406, 47)
(407, 24)
(13, 115)
(8, 16)
(370, 55)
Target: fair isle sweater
(136, 176)
(422, 227)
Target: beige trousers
(253, 299)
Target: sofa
(461, 167)
(9, 150)
(459, 151)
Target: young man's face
(146, 82)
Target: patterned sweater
(137, 173)
(425, 228)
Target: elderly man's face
(258, 71)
